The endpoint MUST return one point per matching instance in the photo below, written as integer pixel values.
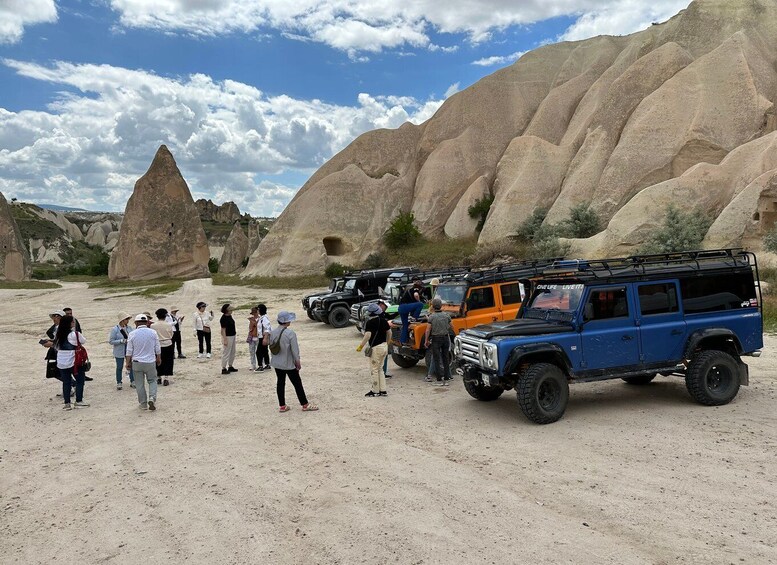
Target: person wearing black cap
(202, 320)
(228, 336)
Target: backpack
(275, 346)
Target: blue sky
(251, 96)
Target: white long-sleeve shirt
(202, 319)
(143, 345)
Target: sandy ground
(426, 475)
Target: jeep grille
(470, 349)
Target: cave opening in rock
(334, 246)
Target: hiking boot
(152, 405)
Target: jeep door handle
(677, 332)
(627, 338)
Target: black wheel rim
(719, 380)
(548, 395)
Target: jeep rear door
(662, 329)
(609, 338)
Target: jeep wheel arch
(720, 339)
(537, 353)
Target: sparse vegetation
(770, 240)
(532, 225)
(479, 210)
(213, 265)
(374, 261)
(680, 231)
(582, 222)
(28, 285)
(433, 253)
(336, 270)
(402, 232)
(309, 281)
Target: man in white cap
(143, 355)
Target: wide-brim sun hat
(123, 316)
(174, 309)
(373, 309)
(285, 317)
(59, 313)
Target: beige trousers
(379, 353)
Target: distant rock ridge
(161, 234)
(235, 250)
(682, 112)
(14, 260)
(226, 213)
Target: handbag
(81, 360)
(205, 328)
(367, 350)
(275, 346)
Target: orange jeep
(474, 298)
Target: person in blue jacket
(118, 339)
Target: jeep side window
(657, 299)
(719, 292)
(481, 298)
(511, 293)
(606, 303)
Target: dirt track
(426, 475)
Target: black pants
(295, 380)
(201, 335)
(165, 368)
(66, 377)
(262, 354)
(177, 342)
(441, 345)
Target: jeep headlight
(488, 356)
(457, 347)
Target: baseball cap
(141, 318)
(373, 309)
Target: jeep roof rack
(430, 273)
(385, 272)
(637, 266)
(528, 268)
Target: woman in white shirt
(65, 342)
(165, 332)
(202, 320)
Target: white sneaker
(118, 386)
(207, 355)
(143, 406)
(200, 356)
(81, 404)
(67, 407)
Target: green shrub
(529, 228)
(770, 240)
(213, 265)
(402, 232)
(548, 248)
(336, 270)
(374, 261)
(582, 222)
(680, 231)
(479, 210)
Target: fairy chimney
(14, 260)
(235, 251)
(161, 234)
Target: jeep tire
(712, 378)
(640, 379)
(338, 317)
(543, 393)
(404, 362)
(310, 314)
(480, 392)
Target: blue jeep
(692, 314)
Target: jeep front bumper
(475, 374)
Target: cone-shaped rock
(161, 234)
(14, 260)
(624, 125)
(235, 250)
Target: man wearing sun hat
(118, 339)
(143, 354)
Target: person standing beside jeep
(202, 320)
(410, 304)
(228, 337)
(375, 332)
(438, 332)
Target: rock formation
(680, 112)
(14, 261)
(161, 234)
(235, 251)
(226, 213)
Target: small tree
(402, 232)
(213, 265)
(582, 222)
(680, 231)
(336, 270)
(479, 210)
(529, 228)
(374, 261)
(770, 240)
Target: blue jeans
(385, 365)
(66, 375)
(405, 310)
(119, 369)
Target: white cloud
(372, 25)
(95, 140)
(452, 89)
(499, 59)
(15, 15)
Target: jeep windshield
(452, 293)
(554, 301)
(336, 285)
(350, 284)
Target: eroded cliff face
(14, 260)
(681, 112)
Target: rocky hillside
(682, 112)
